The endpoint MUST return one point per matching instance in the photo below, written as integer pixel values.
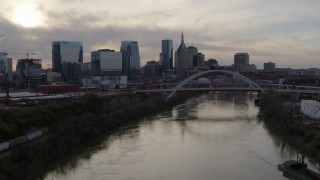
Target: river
(212, 136)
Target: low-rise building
(57, 88)
(269, 67)
(53, 77)
(247, 68)
(211, 64)
(29, 73)
(153, 69)
(311, 108)
(104, 83)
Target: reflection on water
(214, 136)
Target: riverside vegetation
(70, 124)
(287, 122)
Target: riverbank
(71, 125)
(283, 119)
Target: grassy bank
(286, 122)
(71, 125)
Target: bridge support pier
(295, 96)
(164, 95)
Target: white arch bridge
(236, 75)
(233, 81)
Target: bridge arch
(251, 83)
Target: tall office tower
(241, 60)
(192, 56)
(66, 52)
(67, 57)
(181, 57)
(3, 57)
(166, 56)
(106, 62)
(130, 59)
(5, 67)
(8, 69)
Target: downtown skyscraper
(166, 55)
(5, 67)
(181, 58)
(67, 57)
(66, 51)
(130, 59)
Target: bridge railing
(297, 87)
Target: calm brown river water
(213, 136)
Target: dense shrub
(287, 123)
(71, 125)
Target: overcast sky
(286, 32)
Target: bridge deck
(309, 91)
(196, 90)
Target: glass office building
(106, 62)
(166, 55)
(5, 68)
(71, 72)
(66, 52)
(67, 57)
(130, 59)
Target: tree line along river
(212, 136)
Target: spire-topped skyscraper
(182, 38)
(182, 45)
(181, 56)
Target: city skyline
(284, 32)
